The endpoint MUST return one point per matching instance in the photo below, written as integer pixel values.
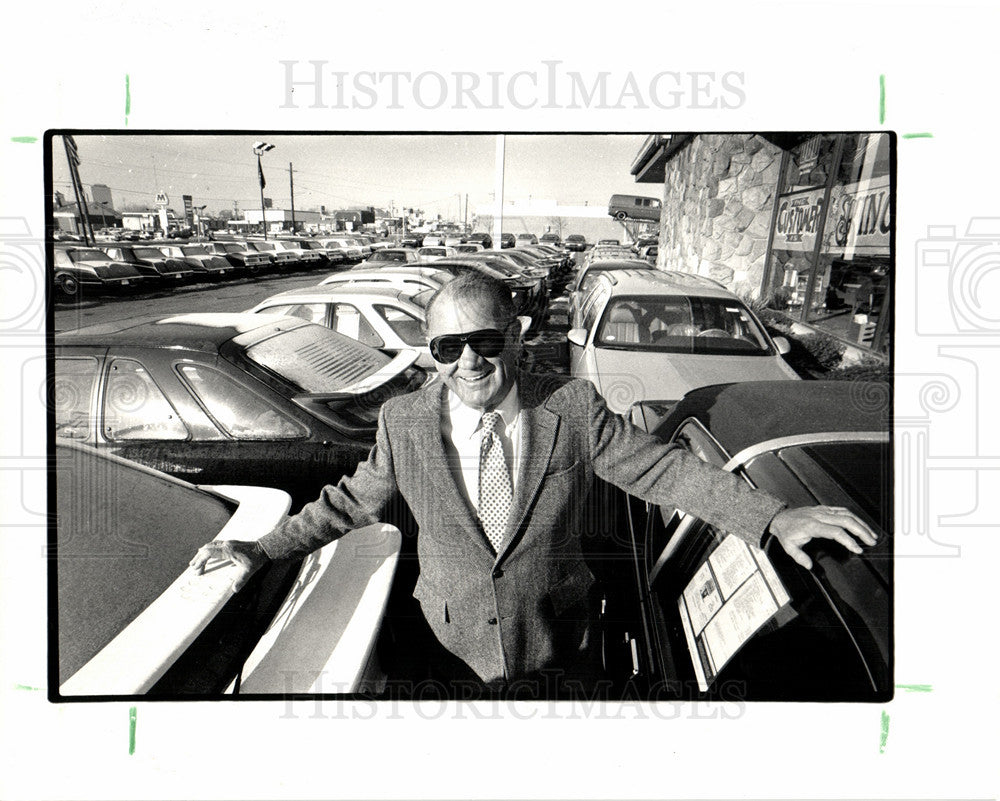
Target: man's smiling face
(478, 381)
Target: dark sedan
(725, 621)
(241, 256)
(151, 262)
(481, 238)
(76, 268)
(530, 296)
(227, 398)
(576, 242)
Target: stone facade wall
(718, 200)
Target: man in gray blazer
(496, 468)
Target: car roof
(750, 412)
(323, 292)
(201, 332)
(649, 281)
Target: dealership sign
(860, 220)
(798, 219)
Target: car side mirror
(578, 336)
(782, 345)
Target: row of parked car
(127, 266)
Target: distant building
(279, 220)
(101, 195)
(67, 217)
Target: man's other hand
(795, 527)
(248, 556)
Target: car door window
(347, 320)
(311, 312)
(403, 324)
(235, 409)
(135, 408)
(74, 386)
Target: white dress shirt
(463, 436)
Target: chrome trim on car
(803, 440)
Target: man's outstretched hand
(795, 527)
(248, 556)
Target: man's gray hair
(478, 290)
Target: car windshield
(389, 255)
(316, 359)
(88, 255)
(680, 324)
(148, 253)
(195, 250)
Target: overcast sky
(425, 171)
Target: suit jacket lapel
(430, 451)
(538, 435)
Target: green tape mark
(26, 687)
(24, 140)
(131, 731)
(881, 99)
(128, 99)
(915, 688)
(918, 136)
(885, 732)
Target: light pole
(259, 149)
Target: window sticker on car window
(733, 594)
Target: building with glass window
(802, 221)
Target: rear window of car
(316, 359)
(124, 536)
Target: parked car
(644, 241)
(481, 238)
(507, 241)
(389, 257)
(134, 619)
(644, 334)
(199, 259)
(585, 279)
(428, 254)
(375, 314)
(530, 298)
(468, 247)
(281, 258)
(327, 256)
(400, 277)
(550, 239)
(150, 262)
(576, 242)
(411, 240)
(77, 268)
(352, 250)
(305, 257)
(609, 242)
(826, 633)
(526, 239)
(649, 253)
(227, 398)
(634, 207)
(241, 256)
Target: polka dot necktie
(494, 482)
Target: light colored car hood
(625, 377)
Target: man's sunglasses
(487, 342)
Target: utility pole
(73, 158)
(291, 189)
(465, 223)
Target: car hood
(624, 377)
